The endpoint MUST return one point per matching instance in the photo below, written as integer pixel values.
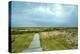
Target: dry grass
(59, 39)
(21, 41)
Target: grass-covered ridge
(60, 39)
(20, 40)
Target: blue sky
(27, 14)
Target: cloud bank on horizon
(28, 14)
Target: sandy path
(35, 44)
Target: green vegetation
(50, 38)
(20, 41)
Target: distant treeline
(51, 28)
(39, 29)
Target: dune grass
(51, 43)
(21, 41)
(59, 40)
